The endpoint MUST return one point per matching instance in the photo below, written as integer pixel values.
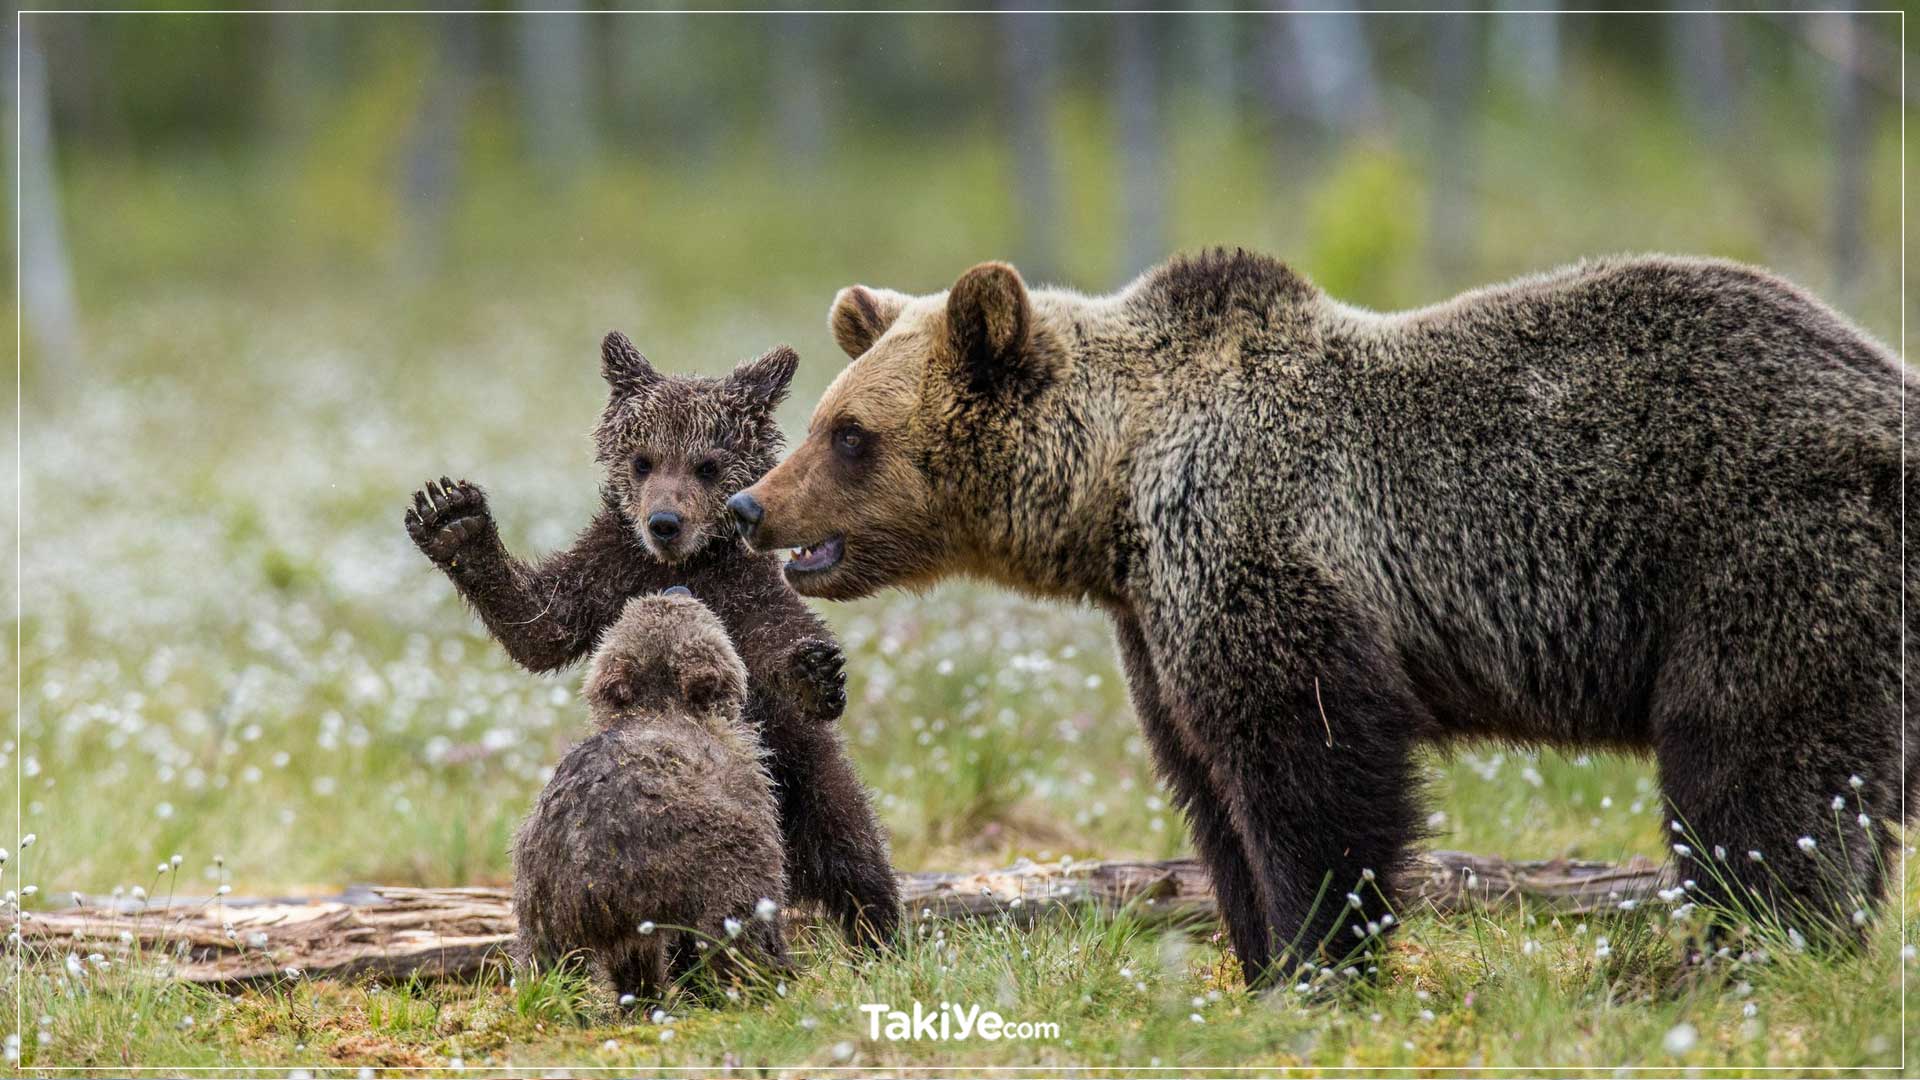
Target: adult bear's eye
(708, 471)
(850, 440)
(641, 466)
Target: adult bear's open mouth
(815, 558)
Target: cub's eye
(850, 441)
(641, 466)
(708, 471)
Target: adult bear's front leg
(1307, 731)
(1235, 888)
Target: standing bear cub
(658, 834)
(674, 450)
(1641, 503)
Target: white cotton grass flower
(1353, 901)
(627, 1000)
(176, 860)
(1680, 1039)
(1859, 916)
(646, 927)
(1807, 844)
(1755, 856)
(1683, 851)
(1719, 852)
(1855, 782)
(766, 909)
(1676, 826)
(732, 927)
(1839, 802)
(27, 840)
(1865, 821)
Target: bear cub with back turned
(675, 448)
(659, 833)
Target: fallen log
(391, 933)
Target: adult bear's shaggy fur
(1641, 503)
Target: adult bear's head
(888, 485)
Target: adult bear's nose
(663, 524)
(747, 513)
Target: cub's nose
(746, 513)
(663, 524)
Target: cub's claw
(820, 677)
(446, 517)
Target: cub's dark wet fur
(674, 448)
(1640, 503)
(666, 815)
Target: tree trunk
(1136, 98)
(1530, 37)
(431, 161)
(394, 933)
(49, 311)
(1851, 146)
(1450, 213)
(556, 104)
(1027, 47)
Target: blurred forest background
(1395, 158)
(280, 268)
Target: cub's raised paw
(448, 517)
(820, 678)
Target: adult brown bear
(1640, 503)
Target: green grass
(230, 648)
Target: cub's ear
(860, 315)
(613, 684)
(761, 385)
(622, 365)
(708, 677)
(988, 320)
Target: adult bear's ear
(860, 315)
(988, 321)
(761, 385)
(622, 365)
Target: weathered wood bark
(392, 933)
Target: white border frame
(19, 494)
